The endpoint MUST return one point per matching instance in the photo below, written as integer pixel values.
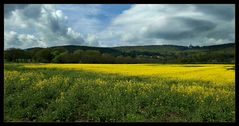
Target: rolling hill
(224, 53)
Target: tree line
(62, 55)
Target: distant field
(119, 92)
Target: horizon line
(121, 46)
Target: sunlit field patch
(119, 92)
(219, 73)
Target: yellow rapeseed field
(119, 92)
(217, 73)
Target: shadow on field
(193, 66)
(12, 66)
(175, 65)
(231, 68)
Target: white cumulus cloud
(48, 24)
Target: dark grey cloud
(178, 28)
(8, 8)
(56, 23)
(222, 34)
(171, 35)
(32, 11)
(28, 10)
(196, 25)
(219, 11)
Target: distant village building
(190, 45)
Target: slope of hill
(230, 47)
(175, 48)
(224, 53)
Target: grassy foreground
(119, 92)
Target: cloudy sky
(107, 25)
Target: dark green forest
(224, 53)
